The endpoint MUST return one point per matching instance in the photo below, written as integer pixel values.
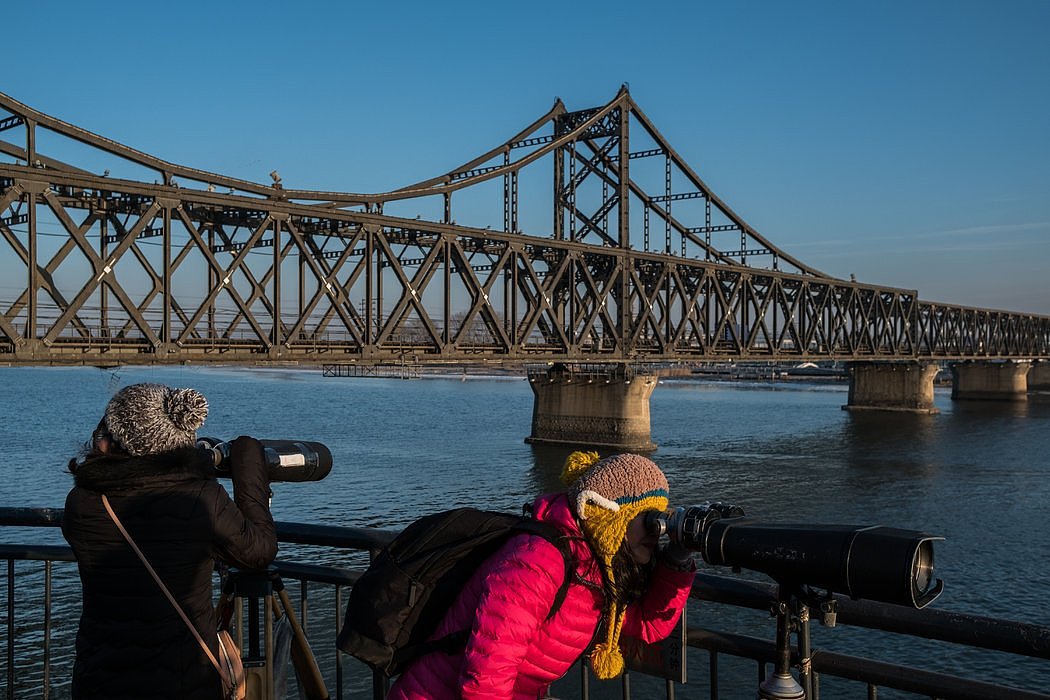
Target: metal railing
(29, 654)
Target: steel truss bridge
(591, 240)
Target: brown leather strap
(167, 593)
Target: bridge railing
(41, 600)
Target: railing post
(10, 629)
(47, 629)
(338, 653)
(712, 670)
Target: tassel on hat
(576, 464)
(607, 659)
(606, 495)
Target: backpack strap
(456, 641)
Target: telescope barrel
(873, 562)
(286, 460)
(297, 460)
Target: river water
(976, 473)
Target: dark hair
(631, 578)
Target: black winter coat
(131, 642)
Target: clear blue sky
(907, 143)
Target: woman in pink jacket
(621, 584)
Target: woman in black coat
(143, 456)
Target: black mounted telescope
(286, 460)
(885, 564)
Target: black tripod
(792, 612)
(263, 593)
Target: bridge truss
(610, 249)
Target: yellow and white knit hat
(606, 495)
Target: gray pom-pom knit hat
(151, 418)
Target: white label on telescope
(296, 459)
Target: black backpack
(401, 598)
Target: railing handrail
(976, 631)
(991, 633)
(942, 625)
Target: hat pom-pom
(606, 661)
(576, 464)
(187, 408)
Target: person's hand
(677, 557)
(246, 452)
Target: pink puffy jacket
(514, 651)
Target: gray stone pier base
(592, 406)
(891, 386)
(1039, 376)
(1004, 380)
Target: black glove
(678, 557)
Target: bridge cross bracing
(594, 240)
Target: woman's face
(641, 542)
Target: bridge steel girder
(114, 270)
(119, 272)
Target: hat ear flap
(576, 464)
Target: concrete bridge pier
(891, 386)
(592, 406)
(1005, 380)
(1039, 376)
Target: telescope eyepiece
(656, 522)
(688, 526)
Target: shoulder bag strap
(167, 593)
